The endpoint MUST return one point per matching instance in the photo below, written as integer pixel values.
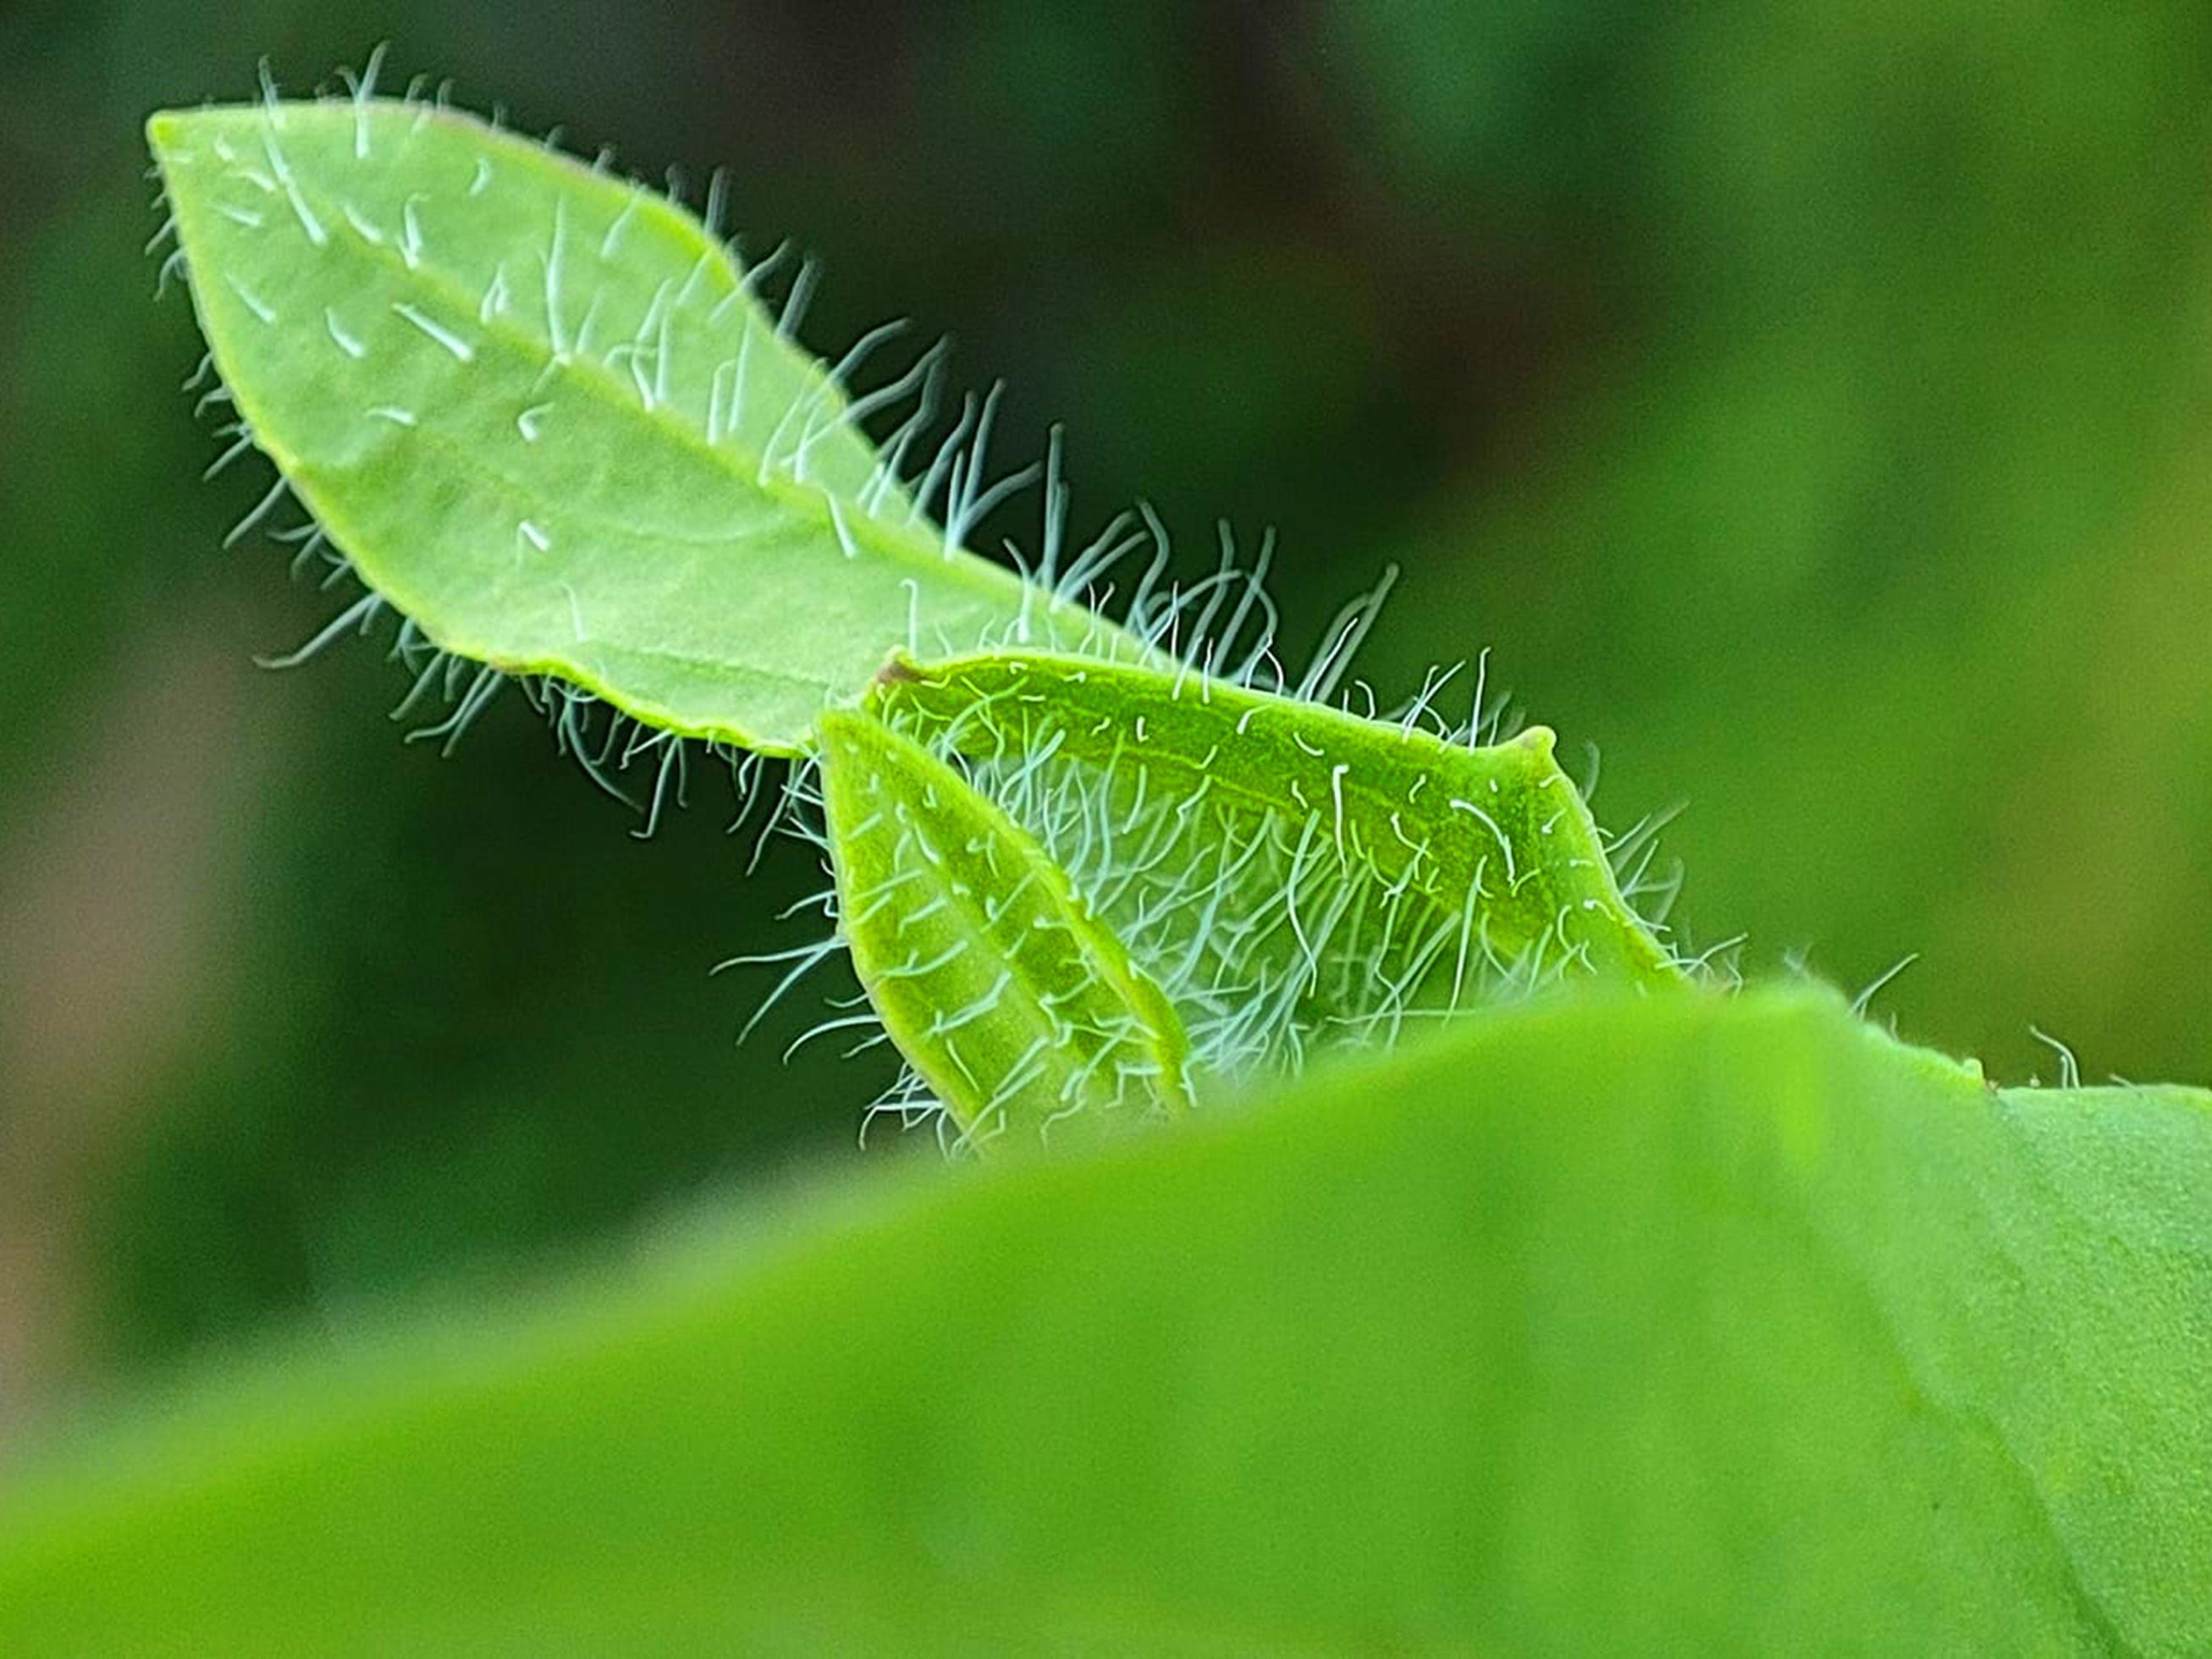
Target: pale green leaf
(1019, 1009)
(1295, 876)
(538, 409)
(1500, 821)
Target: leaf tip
(165, 131)
(1539, 740)
(898, 668)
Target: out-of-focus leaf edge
(1696, 1321)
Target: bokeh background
(1812, 407)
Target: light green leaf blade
(1444, 819)
(1019, 1008)
(1295, 876)
(539, 410)
(1681, 1324)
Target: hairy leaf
(1295, 876)
(541, 411)
(1020, 1010)
(1500, 821)
(1679, 1324)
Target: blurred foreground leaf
(1682, 1323)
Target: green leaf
(1500, 821)
(1294, 876)
(1679, 1324)
(540, 411)
(1018, 1007)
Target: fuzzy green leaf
(1501, 821)
(1681, 1324)
(1019, 1008)
(1294, 876)
(538, 408)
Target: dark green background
(1809, 406)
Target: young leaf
(540, 410)
(1015, 1004)
(1675, 1324)
(1293, 875)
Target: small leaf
(1014, 1003)
(538, 408)
(1293, 875)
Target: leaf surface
(1018, 1007)
(539, 410)
(1498, 827)
(1666, 1324)
(1295, 878)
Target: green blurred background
(1811, 406)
